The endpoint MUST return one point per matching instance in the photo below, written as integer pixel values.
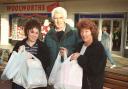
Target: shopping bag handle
(65, 55)
(22, 49)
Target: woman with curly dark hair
(90, 55)
(33, 45)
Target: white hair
(59, 10)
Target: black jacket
(93, 63)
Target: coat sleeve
(82, 61)
(43, 55)
(94, 60)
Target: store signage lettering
(25, 8)
(32, 7)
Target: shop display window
(17, 22)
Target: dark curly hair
(32, 23)
(88, 24)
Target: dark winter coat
(69, 40)
(93, 63)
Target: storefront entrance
(113, 22)
(115, 27)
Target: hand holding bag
(31, 74)
(56, 68)
(70, 75)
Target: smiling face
(33, 34)
(59, 20)
(86, 35)
(87, 30)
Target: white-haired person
(60, 38)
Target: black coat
(93, 63)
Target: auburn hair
(88, 24)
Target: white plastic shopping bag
(14, 64)
(24, 71)
(56, 69)
(36, 73)
(31, 74)
(69, 76)
(21, 76)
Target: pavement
(119, 60)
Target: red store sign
(32, 7)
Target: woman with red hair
(90, 55)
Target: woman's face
(86, 35)
(59, 20)
(33, 35)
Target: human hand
(21, 48)
(27, 54)
(75, 56)
(63, 50)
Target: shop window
(17, 22)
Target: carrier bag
(36, 73)
(56, 68)
(70, 75)
(14, 64)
